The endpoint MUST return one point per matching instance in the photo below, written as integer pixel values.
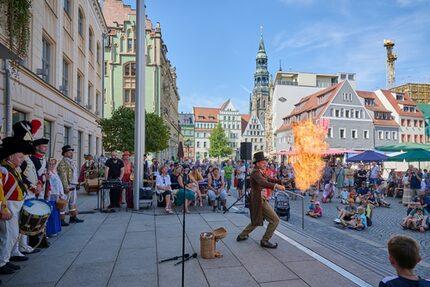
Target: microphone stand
(244, 195)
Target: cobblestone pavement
(367, 247)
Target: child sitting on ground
(347, 212)
(315, 211)
(344, 196)
(358, 222)
(403, 254)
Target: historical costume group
(27, 177)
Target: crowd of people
(27, 174)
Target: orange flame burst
(309, 145)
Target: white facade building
(230, 120)
(60, 82)
(406, 114)
(254, 133)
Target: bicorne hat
(25, 130)
(40, 141)
(11, 145)
(259, 156)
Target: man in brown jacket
(259, 205)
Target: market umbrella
(403, 147)
(368, 156)
(411, 156)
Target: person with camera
(259, 205)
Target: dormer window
(399, 97)
(369, 102)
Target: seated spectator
(185, 189)
(358, 221)
(380, 199)
(216, 189)
(347, 212)
(404, 254)
(163, 187)
(362, 190)
(426, 201)
(328, 192)
(353, 195)
(417, 219)
(315, 211)
(344, 196)
(196, 179)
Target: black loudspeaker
(246, 151)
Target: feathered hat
(26, 130)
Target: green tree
(118, 131)
(218, 143)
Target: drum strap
(18, 182)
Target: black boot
(64, 223)
(268, 244)
(75, 220)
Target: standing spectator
(128, 178)
(349, 180)
(404, 255)
(375, 174)
(228, 175)
(240, 175)
(68, 172)
(339, 174)
(414, 181)
(361, 175)
(327, 174)
(114, 170)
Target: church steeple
(260, 92)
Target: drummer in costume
(69, 173)
(34, 169)
(12, 151)
(26, 130)
(259, 205)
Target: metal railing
(303, 203)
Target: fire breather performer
(259, 205)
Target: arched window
(129, 41)
(98, 52)
(90, 39)
(129, 84)
(81, 22)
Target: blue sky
(213, 43)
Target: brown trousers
(270, 215)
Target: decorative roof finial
(261, 30)
(280, 65)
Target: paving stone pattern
(123, 248)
